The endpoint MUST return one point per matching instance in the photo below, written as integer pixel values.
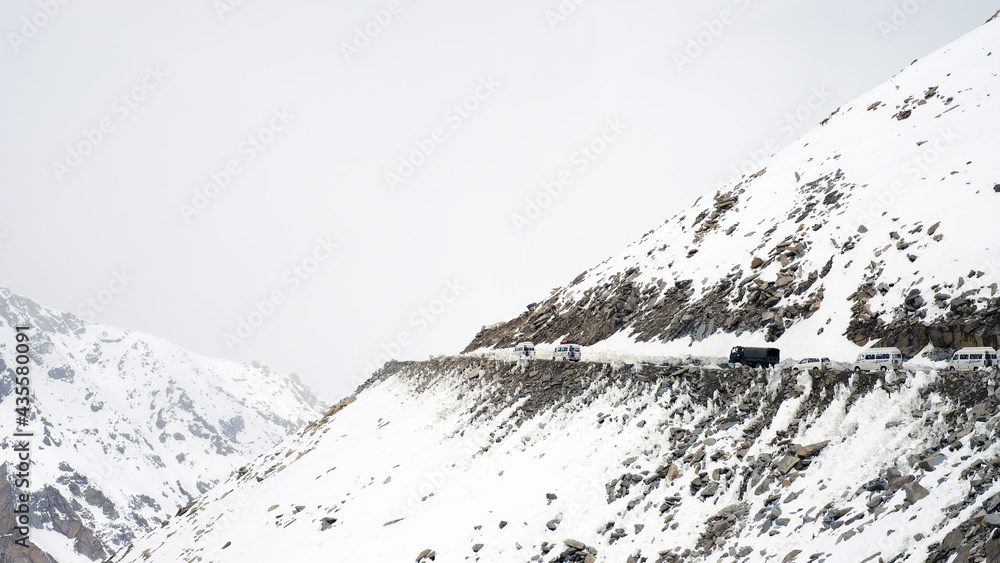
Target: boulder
(786, 464)
(811, 449)
(915, 492)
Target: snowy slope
(128, 427)
(480, 460)
(875, 225)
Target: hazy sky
(312, 184)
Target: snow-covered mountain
(472, 459)
(876, 226)
(126, 428)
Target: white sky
(199, 79)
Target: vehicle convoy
(973, 358)
(879, 359)
(524, 350)
(754, 357)
(567, 350)
(812, 363)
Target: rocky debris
(554, 523)
(575, 552)
(426, 555)
(338, 407)
(721, 526)
(913, 301)
(964, 325)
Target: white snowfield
(128, 427)
(409, 467)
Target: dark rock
(951, 541)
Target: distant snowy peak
(128, 427)
(873, 226)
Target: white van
(566, 351)
(524, 350)
(973, 358)
(879, 359)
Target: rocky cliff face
(871, 228)
(128, 427)
(14, 553)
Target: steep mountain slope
(474, 459)
(127, 427)
(874, 226)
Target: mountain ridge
(128, 426)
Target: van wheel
(883, 368)
(951, 368)
(857, 369)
